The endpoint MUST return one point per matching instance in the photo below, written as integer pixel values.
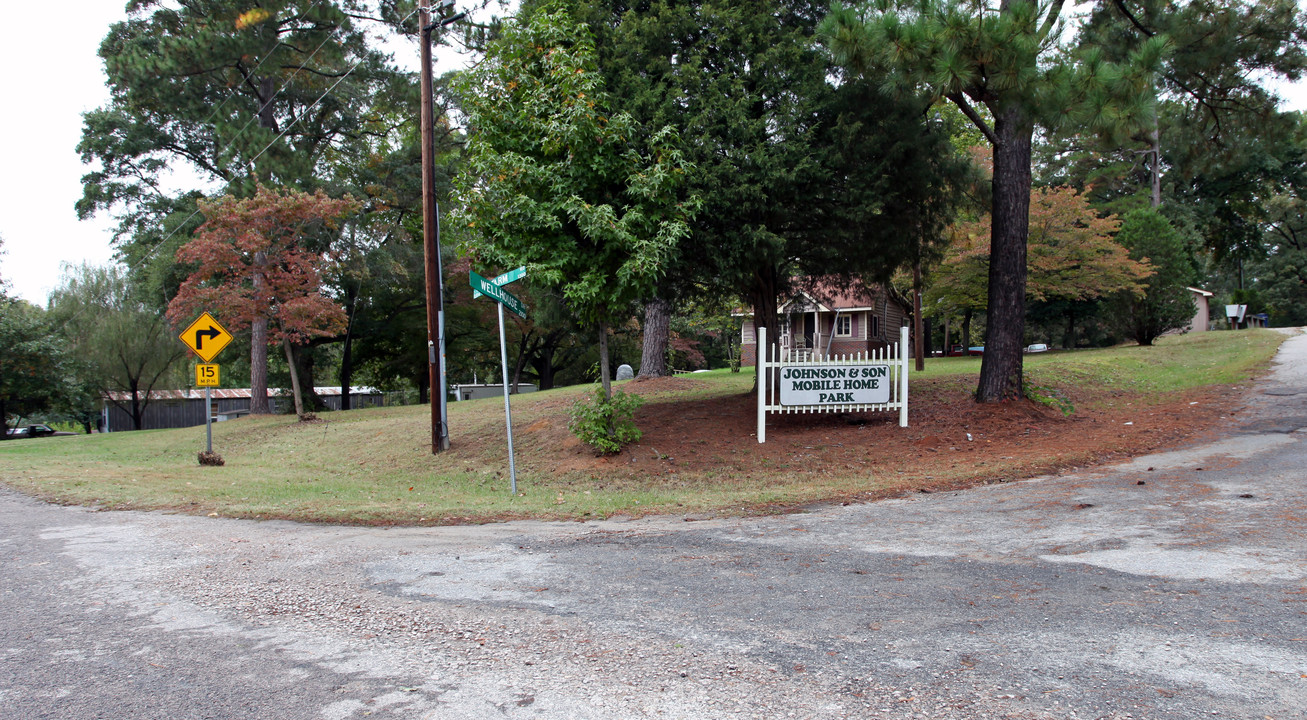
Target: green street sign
(489, 288)
(502, 280)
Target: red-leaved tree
(254, 270)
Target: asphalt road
(1173, 586)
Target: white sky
(50, 81)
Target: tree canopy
(36, 371)
(556, 178)
(125, 346)
(1165, 303)
(289, 92)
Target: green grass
(1175, 362)
(374, 466)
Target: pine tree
(1004, 58)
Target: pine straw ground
(951, 442)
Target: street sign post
(493, 289)
(206, 338)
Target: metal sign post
(206, 374)
(493, 290)
(508, 409)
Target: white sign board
(834, 384)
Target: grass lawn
(698, 455)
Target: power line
(270, 144)
(150, 253)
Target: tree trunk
(545, 373)
(918, 340)
(294, 377)
(657, 332)
(544, 365)
(523, 352)
(1069, 341)
(1155, 144)
(259, 346)
(138, 414)
(346, 371)
(766, 288)
(346, 375)
(1005, 321)
(267, 113)
(947, 347)
(605, 378)
(307, 364)
(966, 330)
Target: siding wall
(890, 315)
(164, 414)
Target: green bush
(606, 424)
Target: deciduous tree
(254, 269)
(36, 372)
(561, 181)
(125, 346)
(1165, 303)
(1071, 256)
(231, 93)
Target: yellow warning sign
(206, 338)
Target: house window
(874, 329)
(844, 326)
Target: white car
(1037, 347)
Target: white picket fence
(772, 359)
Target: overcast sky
(52, 78)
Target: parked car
(1037, 348)
(976, 350)
(956, 351)
(35, 431)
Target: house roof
(830, 295)
(1200, 291)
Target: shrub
(606, 424)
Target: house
(1202, 316)
(832, 319)
(185, 408)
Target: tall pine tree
(1002, 56)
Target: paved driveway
(1174, 586)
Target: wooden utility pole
(431, 246)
